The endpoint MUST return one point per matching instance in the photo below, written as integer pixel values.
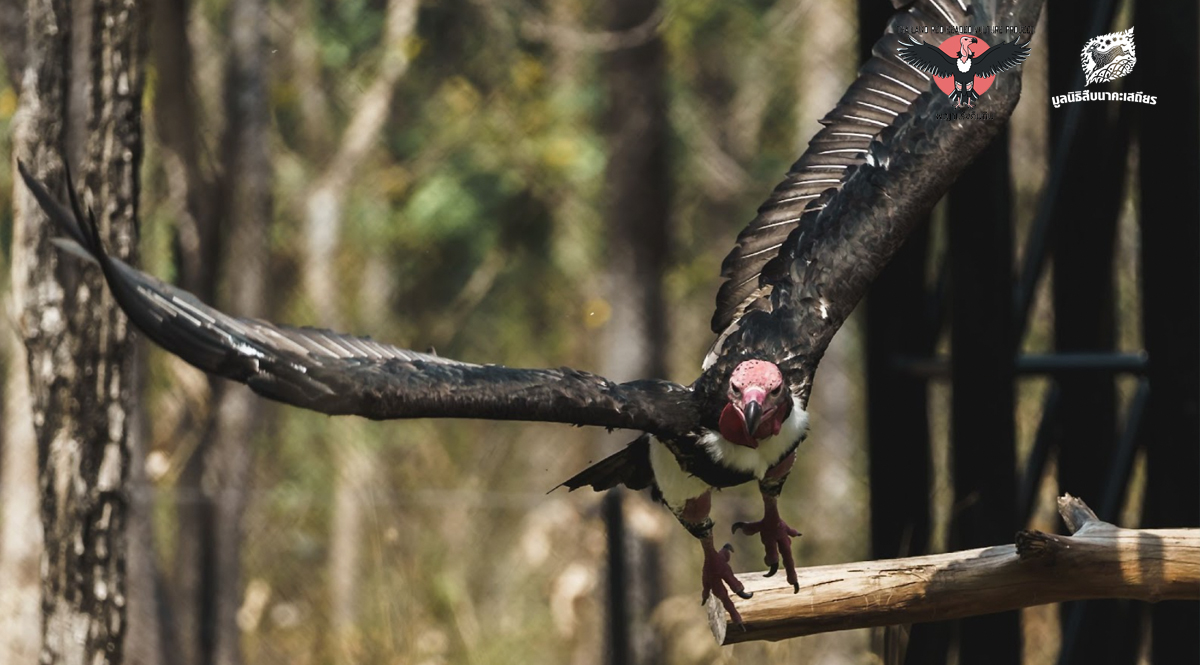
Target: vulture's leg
(690, 499)
(716, 573)
(775, 534)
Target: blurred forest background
(453, 174)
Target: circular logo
(951, 48)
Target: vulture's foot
(776, 537)
(716, 573)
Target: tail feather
(629, 466)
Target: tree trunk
(1087, 205)
(638, 191)
(148, 640)
(12, 41)
(221, 244)
(1171, 293)
(77, 343)
(20, 522)
(823, 497)
(190, 188)
(981, 422)
(237, 413)
(898, 437)
(191, 193)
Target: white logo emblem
(1108, 57)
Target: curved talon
(718, 579)
(776, 537)
(746, 595)
(736, 526)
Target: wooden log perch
(1098, 560)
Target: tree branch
(1098, 561)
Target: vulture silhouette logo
(1108, 57)
(963, 66)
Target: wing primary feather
(878, 108)
(341, 374)
(868, 120)
(890, 95)
(902, 83)
(801, 197)
(781, 222)
(887, 87)
(945, 14)
(764, 251)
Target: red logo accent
(950, 48)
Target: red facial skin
(755, 382)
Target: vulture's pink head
(758, 403)
(964, 46)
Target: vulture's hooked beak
(743, 416)
(753, 412)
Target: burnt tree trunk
(897, 402)
(897, 422)
(638, 192)
(982, 398)
(1088, 203)
(1168, 137)
(78, 346)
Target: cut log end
(718, 620)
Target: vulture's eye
(776, 391)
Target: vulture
(965, 66)
(795, 273)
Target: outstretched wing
(827, 264)
(999, 58)
(876, 101)
(927, 58)
(340, 374)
